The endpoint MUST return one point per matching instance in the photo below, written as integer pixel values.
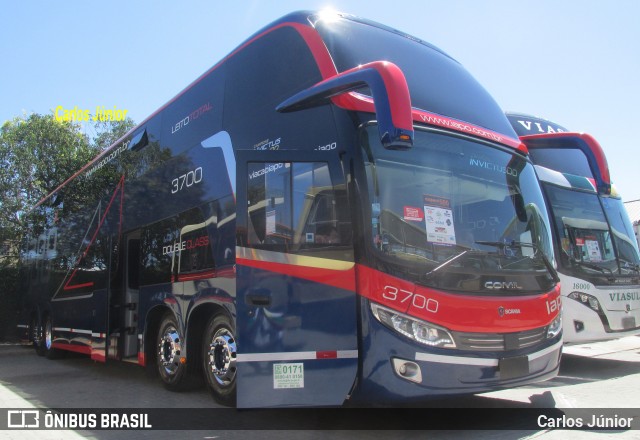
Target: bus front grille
(499, 341)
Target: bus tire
(219, 353)
(171, 349)
(46, 341)
(35, 335)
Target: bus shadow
(575, 369)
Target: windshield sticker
(593, 250)
(439, 220)
(413, 214)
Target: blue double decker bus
(336, 210)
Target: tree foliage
(38, 153)
(109, 132)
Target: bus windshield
(624, 238)
(588, 246)
(457, 214)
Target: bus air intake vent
(499, 341)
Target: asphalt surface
(595, 380)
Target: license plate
(513, 367)
(629, 322)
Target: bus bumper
(582, 324)
(401, 371)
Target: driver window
(294, 205)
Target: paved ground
(595, 377)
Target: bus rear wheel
(46, 341)
(219, 353)
(171, 356)
(35, 335)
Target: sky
(575, 62)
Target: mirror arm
(391, 100)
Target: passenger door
(296, 300)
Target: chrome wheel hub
(222, 357)
(48, 335)
(169, 350)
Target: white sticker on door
(286, 376)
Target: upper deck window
(139, 141)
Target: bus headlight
(415, 329)
(555, 327)
(587, 300)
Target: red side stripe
(197, 275)
(98, 356)
(327, 355)
(84, 349)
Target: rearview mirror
(391, 101)
(581, 141)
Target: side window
(269, 196)
(179, 246)
(294, 205)
(157, 248)
(195, 255)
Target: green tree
(37, 153)
(108, 132)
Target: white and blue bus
(596, 249)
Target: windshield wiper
(591, 266)
(446, 263)
(626, 264)
(502, 245)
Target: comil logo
(502, 285)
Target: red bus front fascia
(458, 312)
(464, 313)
